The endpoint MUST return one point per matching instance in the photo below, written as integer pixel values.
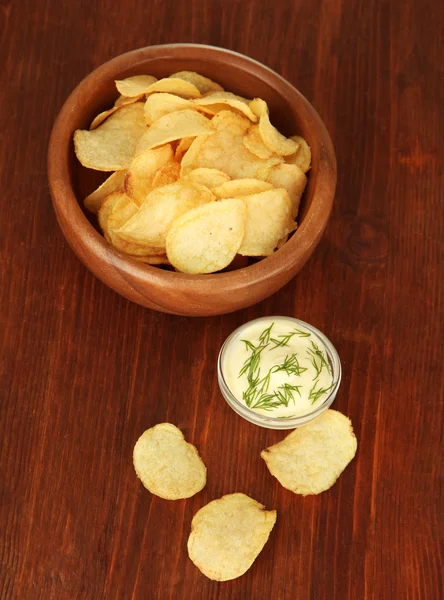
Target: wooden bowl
(167, 291)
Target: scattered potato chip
(175, 126)
(167, 174)
(167, 465)
(111, 146)
(269, 219)
(101, 117)
(203, 84)
(228, 534)
(161, 207)
(159, 104)
(225, 151)
(210, 178)
(241, 187)
(272, 138)
(237, 102)
(114, 183)
(207, 238)
(139, 179)
(311, 458)
(302, 158)
(182, 147)
(174, 85)
(254, 143)
(292, 179)
(135, 86)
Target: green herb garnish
(315, 394)
(317, 359)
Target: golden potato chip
(182, 147)
(225, 151)
(311, 458)
(189, 159)
(138, 85)
(241, 187)
(175, 126)
(272, 138)
(292, 179)
(237, 102)
(114, 183)
(139, 179)
(160, 104)
(253, 142)
(161, 207)
(111, 146)
(98, 120)
(228, 534)
(123, 100)
(162, 259)
(302, 157)
(203, 84)
(268, 220)
(105, 211)
(167, 465)
(168, 173)
(207, 238)
(207, 177)
(174, 85)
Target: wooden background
(83, 372)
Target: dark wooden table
(84, 372)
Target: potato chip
(138, 85)
(302, 157)
(101, 117)
(168, 173)
(203, 84)
(162, 259)
(237, 102)
(160, 104)
(175, 126)
(311, 458)
(139, 179)
(111, 146)
(124, 100)
(241, 187)
(207, 238)
(189, 159)
(182, 147)
(167, 465)
(268, 220)
(105, 211)
(272, 138)
(228, 534)
(207, 177)
(253, 142)
(161, 207)
(174, 85)
(292, 179)
(114, 183)
(225, 150)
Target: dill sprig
(290, 365)
(285, 338)
(285, 393)
(315, 394)
(317, 359)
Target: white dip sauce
(278, 368)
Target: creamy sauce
(278, 368)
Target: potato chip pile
(200, 175)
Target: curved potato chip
(241, 187)
(182, 147)
(167, 465)
(210, 178)
(159, 104)
(203, 84)
(139, 179)
(272, 138)
(237, 102)
(174, 85)
(124, 100)
(225, 151)
(269, 219)
(138, 85)
(253, 142)
(105, 211)
(168, 173)
(311, 458)
(161, 207)
(111, 146)
(114, 183)
(292, 179)
(175, 126)
(302, 157)
(207, 238)
(98, 120)
(190, 156)
(228, 534)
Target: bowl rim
(68, 208)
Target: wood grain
(83, 372)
